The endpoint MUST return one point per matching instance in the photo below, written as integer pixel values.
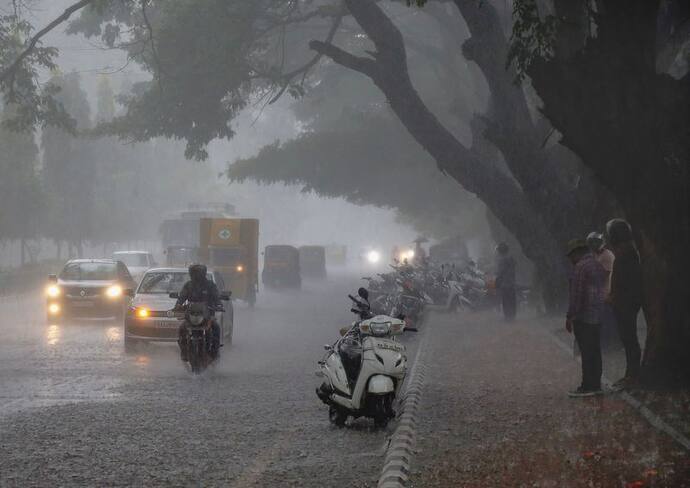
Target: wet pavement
(76, 411)
(496, 413)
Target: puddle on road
(52, 334)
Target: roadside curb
(396, 466)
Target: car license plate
(164, 324)
(83, 304)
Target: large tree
(597, 75)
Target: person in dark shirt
(626, 295)
(199, 289)
(505, 281)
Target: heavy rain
(344, 243)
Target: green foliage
(207, 58)
(368, 159)
(32, 104)
(532, 38)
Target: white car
(137, 262)
(149, 318)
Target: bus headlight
(114, 291)
(53, 291)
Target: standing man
(626, 296)
(595, 242)
(584, 314)
(505, 281)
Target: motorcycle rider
(199, 289)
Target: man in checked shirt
(587, 294)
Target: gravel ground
(495, 413)
(76, 411)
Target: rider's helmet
(197, 272)
(196, 313)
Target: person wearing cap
(505, 281)
(626, 296)
(586, 298)
(595, 242)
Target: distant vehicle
(231, 247)
(149, 318)
(281, 267)
(180, 236)
(137, 262)
(89, 288)
(312, 262)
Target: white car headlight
(373, 257)
(114, 291)
(53, 291)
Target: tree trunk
(630, 127)
(388, 70)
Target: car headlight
(239, 268)
(142, 313)
(53, 308)
(114, 291)
(373, 256)
(53, 291)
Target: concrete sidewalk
(495, 413)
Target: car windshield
(223, 256)
(163, 282)
(132, 259)
(89, 271)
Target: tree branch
(303, 70)
(8, 73)
(360, 64)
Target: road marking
(653, 419)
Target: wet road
(75, 410)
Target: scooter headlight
(380, 328)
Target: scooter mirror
(362, 292)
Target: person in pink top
(609, 332)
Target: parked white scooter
(364, 370)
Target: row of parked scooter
(409, 288)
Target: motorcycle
(199, 341)
(364, 370)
